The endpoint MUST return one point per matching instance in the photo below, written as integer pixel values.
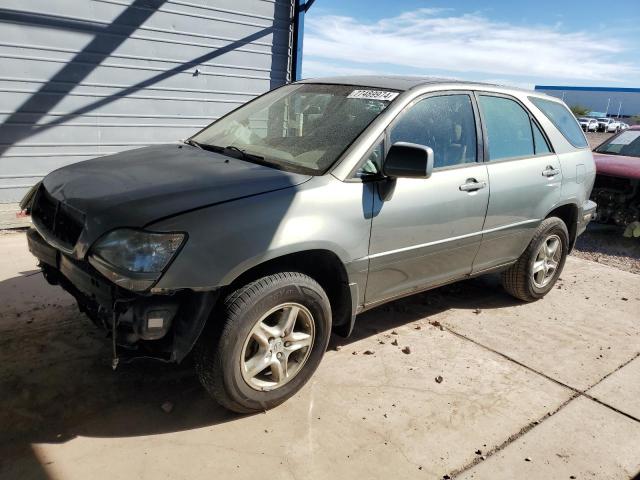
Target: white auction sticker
(373, 95)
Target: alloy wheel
(547, 260)
(277, 346)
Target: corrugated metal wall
(82, 78)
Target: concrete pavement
(542, 390)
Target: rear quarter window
(563, 120)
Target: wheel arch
(568, 213)
(324, 266)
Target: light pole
(606, 113)
(619, 108)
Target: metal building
(610, 101)
(83, 78)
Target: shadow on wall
(58, 380)
(106, 41)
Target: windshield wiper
(244, 154)
(193, 143)
(205, 146)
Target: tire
(237, 337)
(519, 280)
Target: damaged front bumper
(164, 327)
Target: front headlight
(134, 259)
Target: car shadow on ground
(476, 294)
(57, 382)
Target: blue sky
(522, 43)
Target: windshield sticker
(625, 138)
(373, 95)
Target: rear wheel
(538, 268)
(268, 341)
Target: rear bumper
(160, 326)
(585, 215)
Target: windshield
(626, 143)
(302, 128)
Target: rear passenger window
(508, 128)
(539, 142)
(563, 120)
(446, 124)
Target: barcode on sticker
(373, 95)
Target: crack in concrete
(622, 365)
(512, 438)
(576, 393)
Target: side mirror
(408, 160)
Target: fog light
(155, 322)
(150, 319)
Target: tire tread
(515, 279)
(208, 359)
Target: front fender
(230, 238)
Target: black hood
(137, 187)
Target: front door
(428, 231)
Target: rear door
(524, 177)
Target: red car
(617, 186)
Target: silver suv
(280, 222)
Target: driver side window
(446, 124)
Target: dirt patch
(605, 244)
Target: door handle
(550, 171)
(471, 185)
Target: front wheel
(267, 342)
(538, 268)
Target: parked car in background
(617, 186)
(284, 219)
(604, 124)
(624, 126)
(588, 124)
(614, 126)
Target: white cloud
(430, 39)
(318, 68)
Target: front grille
(57, 219)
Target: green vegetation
(580, 110)
(632, 230)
